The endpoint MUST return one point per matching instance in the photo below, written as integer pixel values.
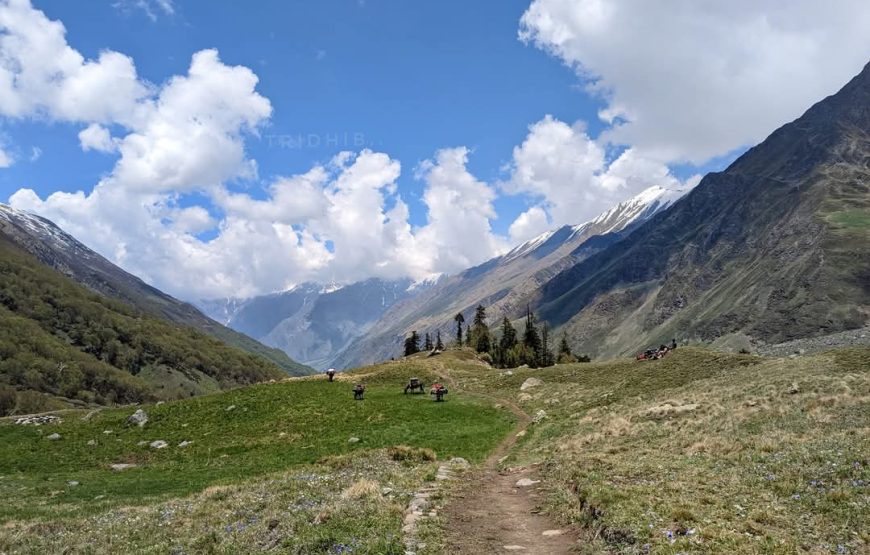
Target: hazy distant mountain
(774, 248)
(506, 284)
(62, 252)
(313, 323)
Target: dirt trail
(491, 514)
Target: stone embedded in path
(530, 383)
(551, 533)
(526, 482)
(514, 548)
(138, 418)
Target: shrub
(405, 453)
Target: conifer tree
(412, 344)
(439, 345)
(546, 354)
(427, 344)
(478, 336)
(459, 319)
(531, 341)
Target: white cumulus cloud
(686, 81)
(568, 172)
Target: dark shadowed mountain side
(505, 284)
(62, 252)
(312, 324)
(774, 248)
(62, 344)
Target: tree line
(506, 349)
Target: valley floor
(700, 452)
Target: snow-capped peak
(35, 224)
(638, 208)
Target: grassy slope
(47, 319)
(726, 453)
(265, 451)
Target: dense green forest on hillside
(60, 344)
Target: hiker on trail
(358, 391)
(330, 374)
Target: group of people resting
(655, 354)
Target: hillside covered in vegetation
(61, 345)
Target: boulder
(138, 418)
(530, 383)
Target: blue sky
(400, 77)
(471, 125)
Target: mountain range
(312, 323)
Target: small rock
(107, 432)
(159, 403)
(521, 433)
(121, 466)
(143, 442)
(507, 373)
(513, 548)
(92, 442)
(460, 462)
(159, 444)
(523, 397)
(530, 383)
(53, 437)
(550, 533)
(230, 408)
(72, 483)
(353, 440)
(138, 418)
(273, 523)
(794, 389)
(526, 482)
(540, 415)
(184, 443)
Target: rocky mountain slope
(311, 323)
(505, 284)
(774, 248)
(62, 252)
